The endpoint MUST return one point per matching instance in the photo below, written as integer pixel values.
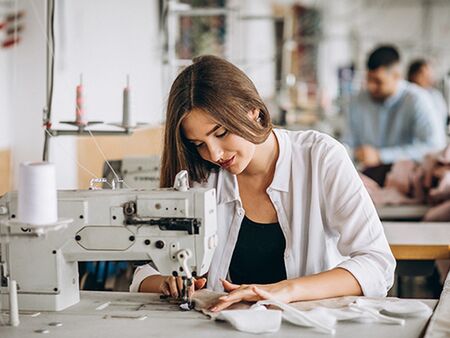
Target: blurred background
(307, 58)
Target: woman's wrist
(290, 290)
(152, 284)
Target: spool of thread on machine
(80, 118)
(13, 307)
(126, 121)
(37, 200)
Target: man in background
(391, 119)
(420, 72)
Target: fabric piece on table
(321, 315)
(444, 155)
(442, 192)
(257, 320)
(385, 195)
(404, 308)
(324, 319)
(400, 176)
(319, 319)
(205, 298)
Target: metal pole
(49, 79)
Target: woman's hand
(252, 293)
(173, 286)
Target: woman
(294, 220)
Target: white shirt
(324, 211)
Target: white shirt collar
(282, 175)
(227, 185)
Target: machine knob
(129, 208)
(159, 244)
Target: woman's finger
(221, 305)
(200, 283)
(165, 288)
(180, 285)
(191, 291)
(262, 293)
(229, 286)
(171, 281)
(239, 295)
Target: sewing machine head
(175, 229)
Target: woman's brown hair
(222, 90)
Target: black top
(258, 256)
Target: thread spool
(126, 122)
(80, 118)
(37, 203)
(13, 306)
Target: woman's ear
(253, 114)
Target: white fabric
(399, 308)
(257, 320)
(324, 211)
(319, 319)
(321, 315)
(324, 319)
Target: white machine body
(123, 224)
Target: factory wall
(418, 31)
(254, 44)
(106, 40)
(26, 77)
(353, 28)
(5, 92)
(98, 39)
(5, 116)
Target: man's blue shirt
(404, 126)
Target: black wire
(52, 68)
(51, 41)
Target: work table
(117, 314)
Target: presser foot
(184, 305)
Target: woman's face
(215, 144)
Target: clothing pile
(411, 183)
(267, 316)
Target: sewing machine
(175, 228)
(136, 172)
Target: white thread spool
(37, 194)
(13, 307)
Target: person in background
(421, 73)
(391, 119)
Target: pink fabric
(444, 155)
(400, 176)
(442, 191)
(439, 213)
(398, 186)
(410, 183)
